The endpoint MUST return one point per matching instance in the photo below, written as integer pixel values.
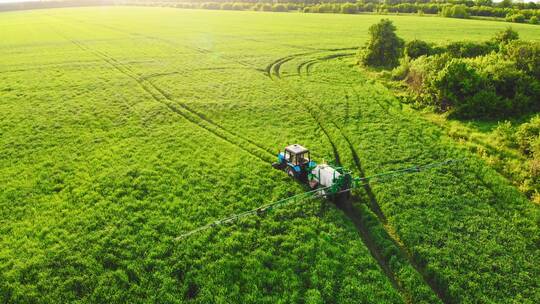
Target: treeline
(520, 13)
(507, 10)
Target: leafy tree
(384, 47)
(533, 20)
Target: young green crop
(124, 127)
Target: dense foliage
(134, 125)
(525, 138)
(416, 48)
(493, 79)
(384, 47)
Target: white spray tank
(325, 175)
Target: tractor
(296, 161)
(325, 180)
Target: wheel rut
(354, 215)
(161, 96)
(365, 235)
(442, 294)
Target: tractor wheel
(279, 166)
(290, 171)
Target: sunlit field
(122, 128)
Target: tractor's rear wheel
(290, 171)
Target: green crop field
(123, 127)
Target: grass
(124, 127)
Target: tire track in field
(185, 111)
(141, 80)
(376, 209)
(361, 227)
(273, 69)
(170, 43)
(358, 220)
(348, 210)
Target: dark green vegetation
(487, 80)
(384, 47)
(497, 78)
(125, 127)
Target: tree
(384, 47)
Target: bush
(533, 20)
(513, 85)
(416, 48)
(526, 56)
(384, 47)
(506, 36)
(422, 72)
(517, 18)
(400, 72)
(349, 8)
(292, 7)
(467, 49)
(328, 8)
(457, 83)
(455, 11)
(527, 136)
(308, 9)
(505, 133)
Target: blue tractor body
(296, 161)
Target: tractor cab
(296, 155)
(296, 160)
